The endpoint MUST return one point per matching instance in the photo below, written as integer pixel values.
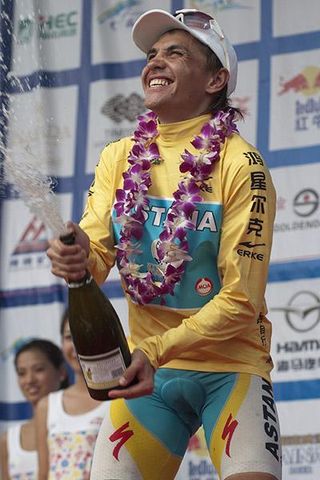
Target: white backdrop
(69, 78)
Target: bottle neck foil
(81, 283)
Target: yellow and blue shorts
(146, 438)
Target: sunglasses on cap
(194, 19)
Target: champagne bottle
(97, 334)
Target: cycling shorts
(146, 438)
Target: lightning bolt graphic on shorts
(122, 435)
(228, 432)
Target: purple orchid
(187, 195)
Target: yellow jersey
(216, 319)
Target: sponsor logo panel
(301, 456)
(298, 18)
(294, 309)
(111, 28)
(39, 35)
(231, 13)
(295, 100)
(23, 253)
(295, 316)
(42, 135)
(112, 114)
(297, 223)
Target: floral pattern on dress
(71, 455)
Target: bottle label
(103, 371)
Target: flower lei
(131, 201)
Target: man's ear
(218, 81)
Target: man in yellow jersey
(186, 209)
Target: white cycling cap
(152, 24)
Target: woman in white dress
(40, 368)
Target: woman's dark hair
(50, 350)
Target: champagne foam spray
(36, 190)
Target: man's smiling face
(176, 78)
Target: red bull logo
(306, 82)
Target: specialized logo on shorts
(228, 431)
(204, 286)
(123, 436)
(270, 417)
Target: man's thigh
(135, 442)
(245, 436)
